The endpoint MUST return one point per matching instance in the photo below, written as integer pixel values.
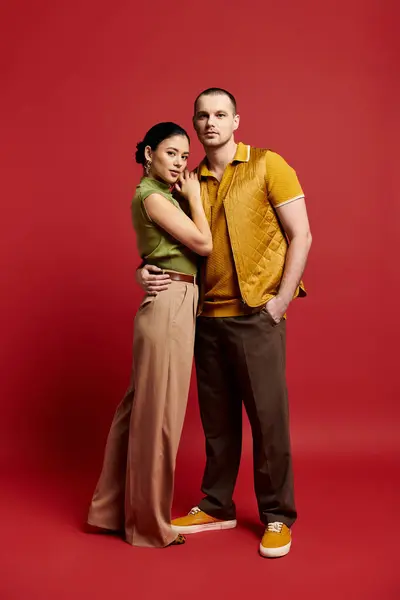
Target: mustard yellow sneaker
(276, 541)
(197, 521)
(178, 541)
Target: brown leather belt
(180, 276)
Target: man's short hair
(215, 92)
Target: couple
(243, 210)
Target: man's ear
(236, 122)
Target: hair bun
(139, 156)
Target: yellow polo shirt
(221, 287)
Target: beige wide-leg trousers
(135, 489)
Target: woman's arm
(194, 233)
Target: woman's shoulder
(146, 183)
(144, 188)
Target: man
(261, 239)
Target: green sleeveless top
(155, 245)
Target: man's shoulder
(258, 155)
(266, 150)
(269, 153)
(256, 151)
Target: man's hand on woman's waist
(152, 279)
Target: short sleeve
(282, 183)
(147, 191)
(143, 194)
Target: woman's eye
(171, 153)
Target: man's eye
(220, 115)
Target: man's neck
(219, 158)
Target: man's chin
(211, 143)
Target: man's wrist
(283, 300)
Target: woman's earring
(147, 167)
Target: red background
(81, 83)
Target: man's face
(214, 120)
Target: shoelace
(276, 527)
(194, 510)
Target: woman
(135, 490)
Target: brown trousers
(242, 359)
(135, 489)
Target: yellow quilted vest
(259, 244)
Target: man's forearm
(296, 260)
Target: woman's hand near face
(195, 232)
(189, 186)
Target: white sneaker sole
(275, 552)
(206, 527)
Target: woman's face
(169, 159)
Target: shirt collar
(157, 183)
(242, 154)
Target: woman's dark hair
(156, 135)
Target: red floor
(345, 542)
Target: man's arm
(294, 219)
